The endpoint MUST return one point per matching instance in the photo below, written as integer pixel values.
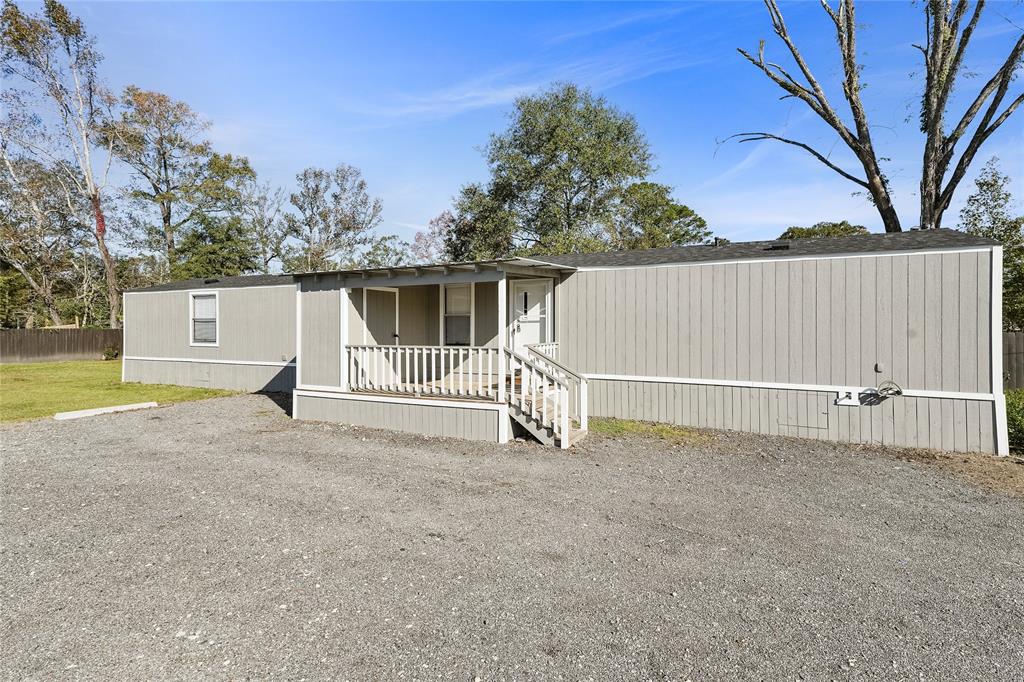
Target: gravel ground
(219, 539)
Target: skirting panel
(211, 375)
(426, 419)
(934, 423)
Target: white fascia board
(203, 361)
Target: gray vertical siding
(424, 418)
(419, 314)
(486, 314)
(254, 325)
(925, 319)
(211, 375)
(320, 363)
(257, 325)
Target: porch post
(502, 326)
(343, 293)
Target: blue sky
(409, 93)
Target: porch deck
(547, 400)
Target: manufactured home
(889, 338)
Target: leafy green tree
(648, 218)
(17, 300)
(218, 246)
(176, 174)
(336, 216)
(560, 168)
(480, 228)
(989, 213)
(824, 229)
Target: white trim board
(260, 363)
(777, 259)
(191, 319)
(124, 335)
(442, 313)
(1002, 435)
(180, 291)
(400, 400)
(822, 388)
(298, 334)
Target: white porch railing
(550, 349)
(538, 385)
(466, 371)
(539, 393)
(546, 355)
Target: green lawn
(44, 388)
(609, 426)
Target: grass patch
(1015, 418)
(617, 428)
(43, 388)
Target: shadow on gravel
(282, 400)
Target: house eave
(482, 271)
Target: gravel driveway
(220, 539)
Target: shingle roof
(221, 282)
(915, 240)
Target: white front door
(531, 313)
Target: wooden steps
(544, 434)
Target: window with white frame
(458, 314)
(203, 319)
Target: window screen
(204, 319)
(458, 314)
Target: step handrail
(579, 380)
(536, 381)
(550, 360)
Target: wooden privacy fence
(1013, 359)
(42, 345)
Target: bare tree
(335, 217)
(54, 56)
(943, 57)
(944, 51)
(38, 235)
(428, 245)
(262, 209)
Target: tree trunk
(51, 308)
(883, 202)
(109, 266)
(165, 216)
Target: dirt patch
(1003, 474)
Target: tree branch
(754, 137)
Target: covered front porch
(443, 336)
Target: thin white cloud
(626, 63)
(616, 23)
